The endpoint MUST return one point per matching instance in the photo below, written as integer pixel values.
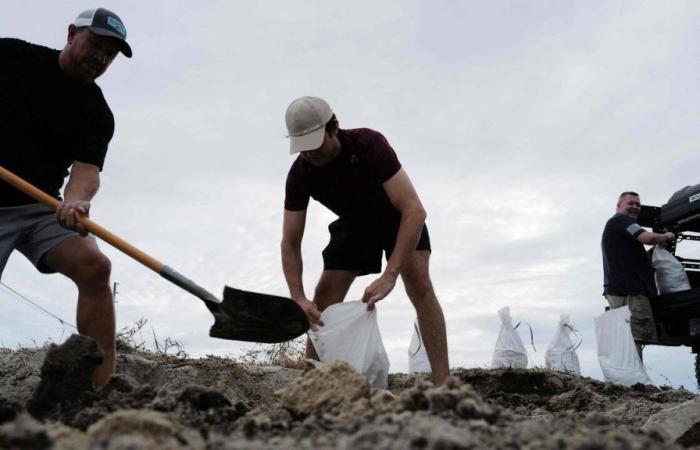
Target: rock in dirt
(67, 438)
(24, 433)
(143, 430)
(8, 410)
(122, 430)
(331, 388)
(66, 376)
(681, 423)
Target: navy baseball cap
(105, 23)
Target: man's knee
(332, 288)
(418, 287)
(416, 277)
(94, 268)
(327, 295)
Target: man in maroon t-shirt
(356, 174)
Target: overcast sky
(519, 123)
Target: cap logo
(693, 198)
(117, 25)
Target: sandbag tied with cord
(418, 361)
(561, 353)
(509, 351)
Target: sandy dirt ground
(47, 401)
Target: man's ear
(72, 31)
(334, 129)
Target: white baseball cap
(306, 119)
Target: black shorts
(359, 248)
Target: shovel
(241, 316)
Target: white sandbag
(509, 350)
(668, 271)
(561, 353)
(350, 333)
(617, 353)
(417, 356)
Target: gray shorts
(642, 320)
(33, 230)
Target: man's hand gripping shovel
(241, 316)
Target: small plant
(130, 338)
(126, 337)
(288, 354)
(169, 347)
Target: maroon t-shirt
(351, 184)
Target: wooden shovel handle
(104, 234)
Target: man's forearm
(293, 267)
(406, 240)
(650, 238)
(82, 184)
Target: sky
(518, 122)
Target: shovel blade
(254, 317)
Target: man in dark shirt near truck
(54, 117)
(628, 276)
(356, 174)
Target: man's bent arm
(650, 238)
(292, 233)
(83, 183)
(404, 198)
(292, 265)
(82, 186)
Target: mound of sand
(158, 402)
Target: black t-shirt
(47, 120)
(626, 265)
(351, 184)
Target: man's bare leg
(431, 320)
(331, 288)
(80, 260)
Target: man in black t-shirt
(53, 117)
(356, 174)
(627, 271)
